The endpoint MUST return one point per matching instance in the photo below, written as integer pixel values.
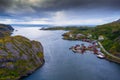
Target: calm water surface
(63, 64)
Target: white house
(100, 38)
(79, 35)
(70, 35)
(89, 35)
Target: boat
(75, 50)
(101, 55)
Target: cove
(62, 64)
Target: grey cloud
(58, 4)
(42, 7)
(69, 4)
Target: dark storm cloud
(69, 4)
(58, 4)
(5, 4)
(43, 8)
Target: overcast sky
(59, 12)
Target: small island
(19, 56)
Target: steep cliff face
(19, 56)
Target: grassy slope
(111, 32)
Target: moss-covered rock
(19, 56)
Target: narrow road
(109, 55)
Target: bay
(63, 64)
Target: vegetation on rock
(19, 56)
(111, 32)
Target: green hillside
(111, 32)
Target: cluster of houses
(78, 36)
(81, 36)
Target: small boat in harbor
(76, 51)
(73, 48)
(100, 55)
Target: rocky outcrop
(5, 30)
(19, 56)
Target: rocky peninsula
(19, 56)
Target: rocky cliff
(19, 56)
(5, 30)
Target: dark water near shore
(63, 64)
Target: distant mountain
(6, 27)
(5, 30)
(118, 21)
(31, 25)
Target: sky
(59, 12)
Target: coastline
(67, 36)
(109, 56)
(28, 74)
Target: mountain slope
(111, 32)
